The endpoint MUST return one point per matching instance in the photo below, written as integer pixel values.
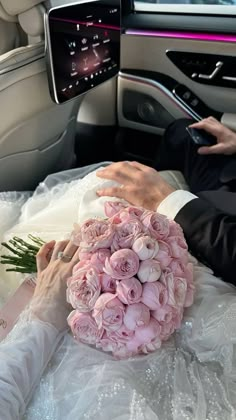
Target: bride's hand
(49, 300)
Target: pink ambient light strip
(184, 35)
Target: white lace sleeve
(23, 356)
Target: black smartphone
(201, 137)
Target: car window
(226, 7)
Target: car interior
(90, 81)
(167, 66)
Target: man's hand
(226, 138)
(140, 185)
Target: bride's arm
(23, 357)
(26, 352)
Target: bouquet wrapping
(132, 283)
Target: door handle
(211, 76)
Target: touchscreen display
(83, 47)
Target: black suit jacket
(209, 224)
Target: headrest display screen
(83, 47)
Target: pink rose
(96, 234)
(145, 247)
(123, 264)
(150, 347)
(133, 346)
(125, 214)
(131, 212)
(116, 341)
(154, 295)
(83, 289)
(129, 291)
(176, 287)
(190, 285)
(126, 233)
(109, 312)
(148, 333)
(121, 336)
(178, 247)
(136, 315)
(108, 283)
(184, 272)
(106, 343)
(188, 272)
(98, 258)
(169, 319)
(85, 256)
(163, 313)
(113, 207)
(81, 265)
(180, 291)
(149, 271)
(164, 255)
(122, 353)
(177, 267)
(76, 235)
(156, 223)
(84, 327)
(167, 328)
(175, 229)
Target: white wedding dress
(193, 376)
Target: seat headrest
(32, 22)
(15, 7)
(4, 15)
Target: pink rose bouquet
(133, 281)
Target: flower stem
(23, 259)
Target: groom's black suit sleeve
(211, 235)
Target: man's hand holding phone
(222, 140)
(201, 137)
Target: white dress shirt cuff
(174, 202)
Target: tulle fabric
(193, 376)
(49, 212)
(10, 209)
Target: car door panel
(98, 106)
(152, 85)
(152, 94)
(149, 53)
(149, 83)
(229, 119)
(97, 124)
